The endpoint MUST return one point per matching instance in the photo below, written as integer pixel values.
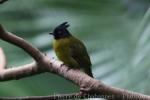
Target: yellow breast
(61, 48)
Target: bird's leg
(62, 65)
(84, 90)
(68, 68)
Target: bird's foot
(62, 64)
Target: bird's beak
(51, 33)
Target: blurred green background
(116, 33)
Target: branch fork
(42, 63)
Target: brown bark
(88, 85)
(2, 60)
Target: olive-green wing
(80, 55)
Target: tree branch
(58, 97)
(50, 97)
(31, 50)
(16, 73)
(2, 60)
(44, 63)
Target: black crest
(64, 25)
(61, 31)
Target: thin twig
(2, 60)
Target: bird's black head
(61, 31)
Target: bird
(70, 50)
